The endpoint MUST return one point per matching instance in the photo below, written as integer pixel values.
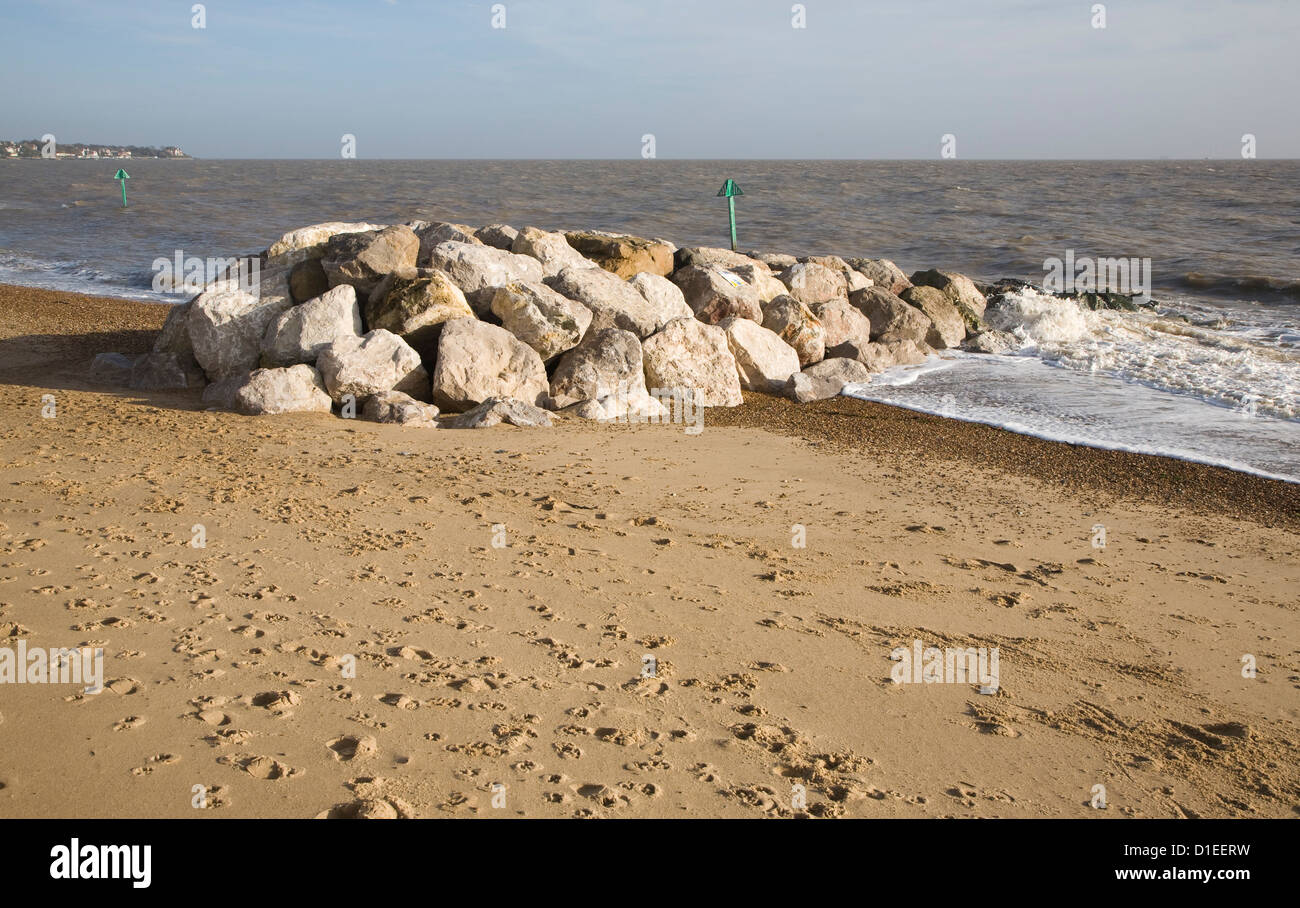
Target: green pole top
(729, 189)
(123, 175)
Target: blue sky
(708, 78)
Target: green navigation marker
(731, 190)
(124, 176)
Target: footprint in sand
(260, 767)
(154, 762)
(277, 701)
(350, 747)
(370, 809)
(129, 723)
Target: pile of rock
(412, 323)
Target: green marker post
(123, 176)
(731, 190)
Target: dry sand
(520, 666)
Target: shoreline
(846, 423)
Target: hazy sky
(708, 78)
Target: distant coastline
(47, 147)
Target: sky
(706, 78)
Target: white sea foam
(1159, 349)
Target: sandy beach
(498, 592)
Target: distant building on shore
(33, 148)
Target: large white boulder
(825, 379)
(308, 242)
(477, 361)
(551, 249)
(543, 319)
(479, 270)
(299, 334)
(715, 293)
(666, 297)
(226, 327)
(614, 302)
(693, 357)
(797, 326)
(763, 361)
(378, 361)
(607, 362)
(296, 389)
(812, 282)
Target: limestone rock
(992, 342)
(715, 293)
(551, 249)
(614, 303)
(891, 316)
(500, 236)
(797, 326)
(296, 389)
(693, 356)
(111, 370)
(543, 319)
(607, 362)
(403, 409)
(414, 304)
(299, 334)
(362, 259)
(764, 361)
(948, 328)
(883, 274)
(711, 255)
(226, 327)
(309, 242)
(441, 232)
(477, 361)
(825, 379)
(762, 280)
(623, 255)
(496, 410)
(165, 371)
(663, 295)
(812, 282)
(957, 287)
(842, 322)
(479, 270)
(378, 361)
